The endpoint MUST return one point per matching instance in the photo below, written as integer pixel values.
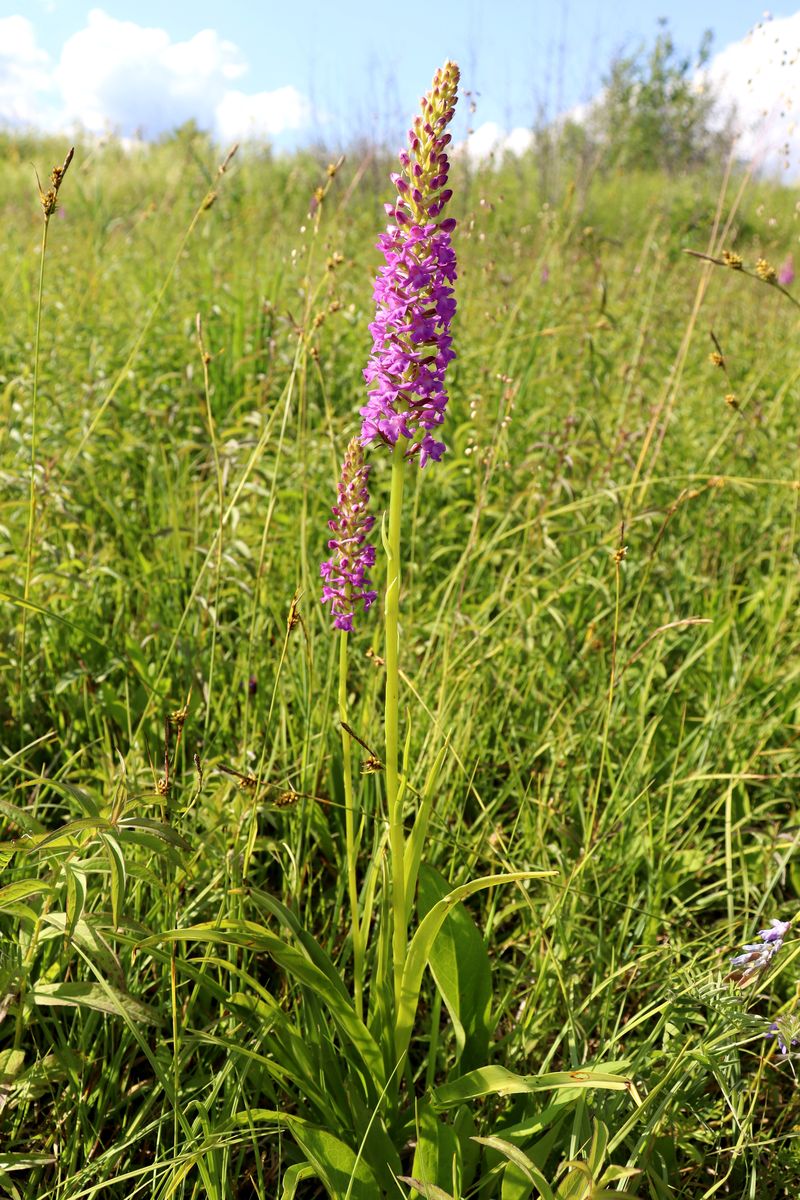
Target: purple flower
(411, 342)
(787, 1033)
(786, 271)
(776, 933)
(756, 957)
(345, 573)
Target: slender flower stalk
(49, 203)
(391, 725)
(351, 840)
(346, 586)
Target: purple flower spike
(411, 341)
(755, 956)
(345, 573)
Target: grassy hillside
(599, 660)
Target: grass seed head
(766, 271)
(49, 199)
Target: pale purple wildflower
(786, 271)
(755, 956)
(411, 341)
(786, 1031)
(345, 573)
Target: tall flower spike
(345, 573)
(411, 342)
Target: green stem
(350, 835)
(32, 489)
(391, 722)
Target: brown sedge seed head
(766, 271)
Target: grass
(599, 678)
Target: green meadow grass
(599, 635)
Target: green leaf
(89, 938)
(420, 947)
(498, 1081)
(11, 1063)
(256, 937)
(416, 839)
(7, 1182)
(345, 1175)
(525, 1166)
(597, 1151)
(460, 965)
(63, 836)
(31, 606)
(159, 829)
(469, 1152)
(309, 945)
(101, 998)
(436, 1157)
(25, 1162)
(84, 800)
(12, 893)
(294, 1176)
(22, 912)
(613, 1174)
(119, 875)
(517, 1184)
(21, 818)
(76, 898)
(428, 1191)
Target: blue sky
(336, 68)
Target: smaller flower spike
(345, 573)
(756, 957)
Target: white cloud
(24, 73)
(491, 139)
(123, 77)
(758, 77)
(262, 115)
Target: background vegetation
(600, 629)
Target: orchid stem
(391, 719)
(350, 834)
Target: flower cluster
(411, 341)
(345, 573)
(755, 956)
